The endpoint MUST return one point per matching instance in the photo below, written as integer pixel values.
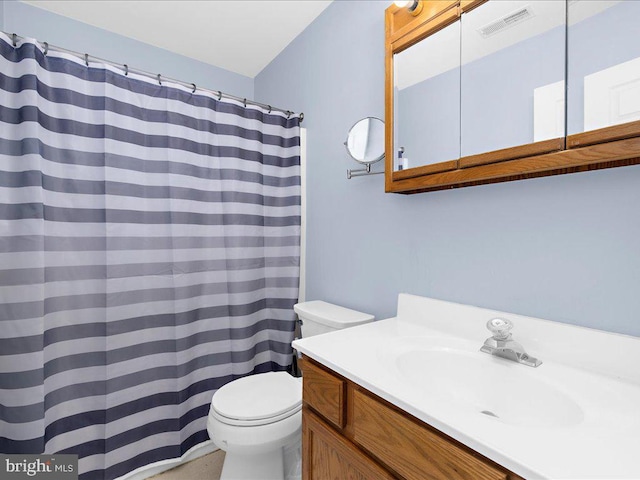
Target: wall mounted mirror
(604, 82)
(427, 101)
(544, 87)
(512, 78)
(365, 144)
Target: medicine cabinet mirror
(475, 90)
(603, 70)
(427, 101)
(512, 77)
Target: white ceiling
(241, 36)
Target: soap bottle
(403, 162)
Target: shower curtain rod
(158, 77)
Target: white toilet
(257, 420)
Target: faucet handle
(500, 328)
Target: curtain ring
(288, 113)
(269, 108)
(194, 88)
(126, 70)
(14, 38)
(245, 103)
(219, 95)
(46, 48)
(301, 117)
(86, 59)
(159, 81)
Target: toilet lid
(258, 397)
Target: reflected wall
(427, 99)
(473, 87)
(504, 69)
(604, 82)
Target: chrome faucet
(502, 345)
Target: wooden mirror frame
(607, 147)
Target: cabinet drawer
(324, 393)
(412, 449)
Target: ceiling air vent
(507, 21)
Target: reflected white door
(548, 112)
(612, 95)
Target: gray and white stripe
(149, 253)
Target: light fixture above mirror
(413, 6)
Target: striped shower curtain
(149, 253)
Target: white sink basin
(575, 417)
(504, 391)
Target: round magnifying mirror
(365, 141)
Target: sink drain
(491, 414)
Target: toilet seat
(257, 399)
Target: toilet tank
(322, 317)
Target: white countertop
(594, 433)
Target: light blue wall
(64, 32)
(565, 248)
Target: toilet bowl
(257, 420)
(253, 419)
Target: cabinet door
(328, 456)
(603, 71)
(512, 80)
(426, 115)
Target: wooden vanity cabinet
(350, 433)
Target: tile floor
(207, 467)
